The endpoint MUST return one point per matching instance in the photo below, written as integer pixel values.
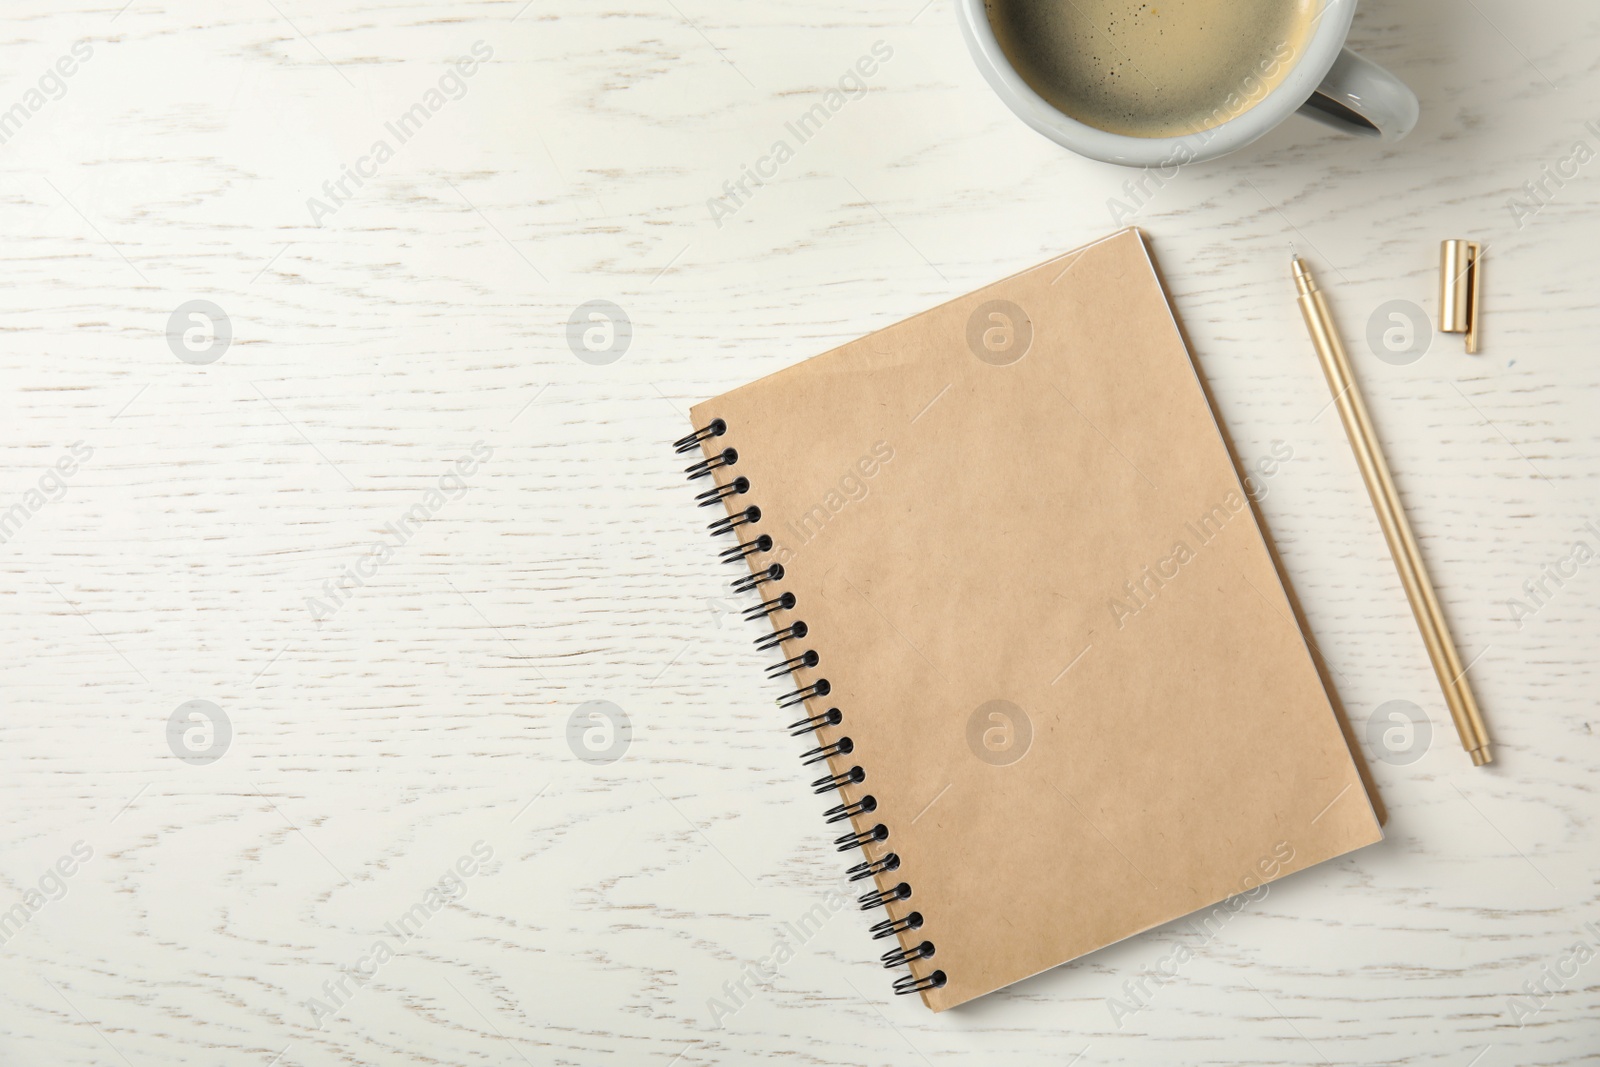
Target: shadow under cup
(1131, 69)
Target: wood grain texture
(371, 751)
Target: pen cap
(1459, 275)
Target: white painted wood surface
(427, 314)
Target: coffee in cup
(1164, 69)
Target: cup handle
(1360, 97)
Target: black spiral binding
(741, 523)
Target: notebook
(1037, 651)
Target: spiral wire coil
(740, 524)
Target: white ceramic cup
(1326, 82)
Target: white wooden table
(395, 764)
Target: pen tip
(1302, 276)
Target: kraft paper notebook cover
(1003, 544)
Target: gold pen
(1402, 545)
